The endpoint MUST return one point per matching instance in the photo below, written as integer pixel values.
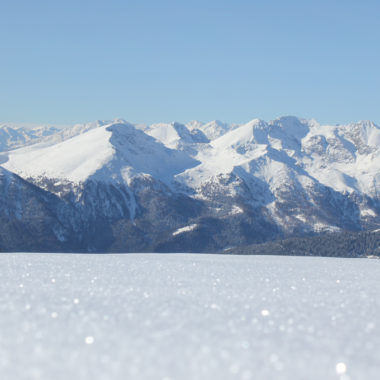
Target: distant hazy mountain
(12, 136)
(115, 186)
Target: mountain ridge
(255, 181)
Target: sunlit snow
(191, 227)
(152, 316)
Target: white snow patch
(191, 227)
(236, 210)
(321, 227)
(166, 133)
(367, 212)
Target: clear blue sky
(147, 61)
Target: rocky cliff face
(114, 186)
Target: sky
(69, 61)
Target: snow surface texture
(188, 317)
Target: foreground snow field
(145, 316)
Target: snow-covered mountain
(14, 136)
(213, 129)
(201, 186)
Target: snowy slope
(176, 136)
(30, 217)
(212, 129)
(74, 160)
(106, 153)
(145, 317)
(170, 135)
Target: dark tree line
(338, 244)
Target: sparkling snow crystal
(188, 317)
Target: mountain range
(113, 186)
